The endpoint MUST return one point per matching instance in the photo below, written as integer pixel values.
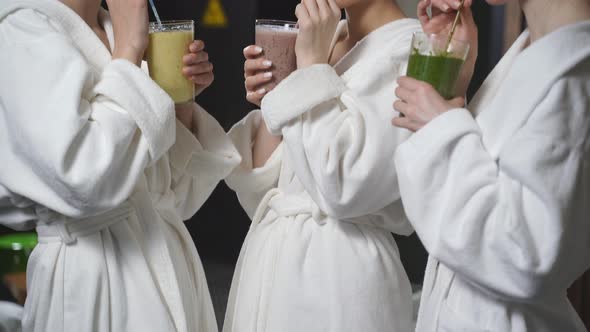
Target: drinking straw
(156, 13)
(452, 28)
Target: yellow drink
(167, 46)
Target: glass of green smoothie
(436, 60)
(168, 43)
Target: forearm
(249, 183)
(129, 54)
(184, 114)
(199, 159)
(264, 145)
(463, 83)
(295, 96)
(331, 134)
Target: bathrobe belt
(287, 205)
(292, 205)
(68, 230)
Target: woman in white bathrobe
(319, 255)
(93, 158)
(501, 197)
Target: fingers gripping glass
(437, 61)
(277, 39)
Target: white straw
(156, 13)
(457, 17)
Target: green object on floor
(15, 250)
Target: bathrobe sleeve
(517, 227)
(74, 140)
(16, 212)
(199, 160)
(251, 184)
(339, 142)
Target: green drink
(432, 63)
(439, 71)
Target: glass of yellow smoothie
(168, 43)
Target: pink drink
(277, 38)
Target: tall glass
(168, 44)
(277, 38)
(433, 62)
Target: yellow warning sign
(214, 16)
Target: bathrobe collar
(76, 28)
(530, 74)
(377, 42)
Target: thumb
(467, 17)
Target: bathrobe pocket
(449, 320)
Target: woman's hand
(257, 74)
(197, 67)
(420, 103)
(318, 20)
(441, 22)
(130, 27)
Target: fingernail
(268, 74)
(261, 91)
(445, 7)
(256, 49)
(457, 4)
(267, 63)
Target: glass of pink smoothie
(277, 39)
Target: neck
(546, 16)
(86, 9)
(365, 18)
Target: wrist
(184, 114)
(304, 63)
(308, 58)
(128, 53)
(188, 124)
(463, 82)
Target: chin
(498, 2)
(348, 3)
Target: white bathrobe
(502, 201)
(93, 157)
(319, 255)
